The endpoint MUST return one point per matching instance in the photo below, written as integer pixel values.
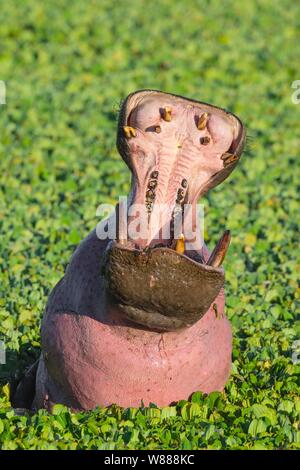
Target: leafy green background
(67, 64)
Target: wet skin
(143, 319)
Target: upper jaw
(196, 147)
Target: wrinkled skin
(139, 319)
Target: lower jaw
(159, 288)
(151, 320)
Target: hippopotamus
(141, 319)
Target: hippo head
(177, 149)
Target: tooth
(154, 174)
(121, 223)
(218, 254)
(180, 195)
(166, 115)
(180, 245)
(202, 121)
(157, 129)
(205, 140)
(226, 155)
(129, 132)
(149, 206)
(184, 183)
(152, 184)
(228, 158)
(150, 195)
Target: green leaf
(261, 411)
(168, 412)
(58, 409)
(197, 397)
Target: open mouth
(177, 149)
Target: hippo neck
(165, 340)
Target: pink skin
(100, 358)
(98, 364)
(92, 355)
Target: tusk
(218, 254)
(121, 223)
(180, 245)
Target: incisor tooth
(129, 132)
(166, 114)
(202, 121)
(180, 245)
(218, 254)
